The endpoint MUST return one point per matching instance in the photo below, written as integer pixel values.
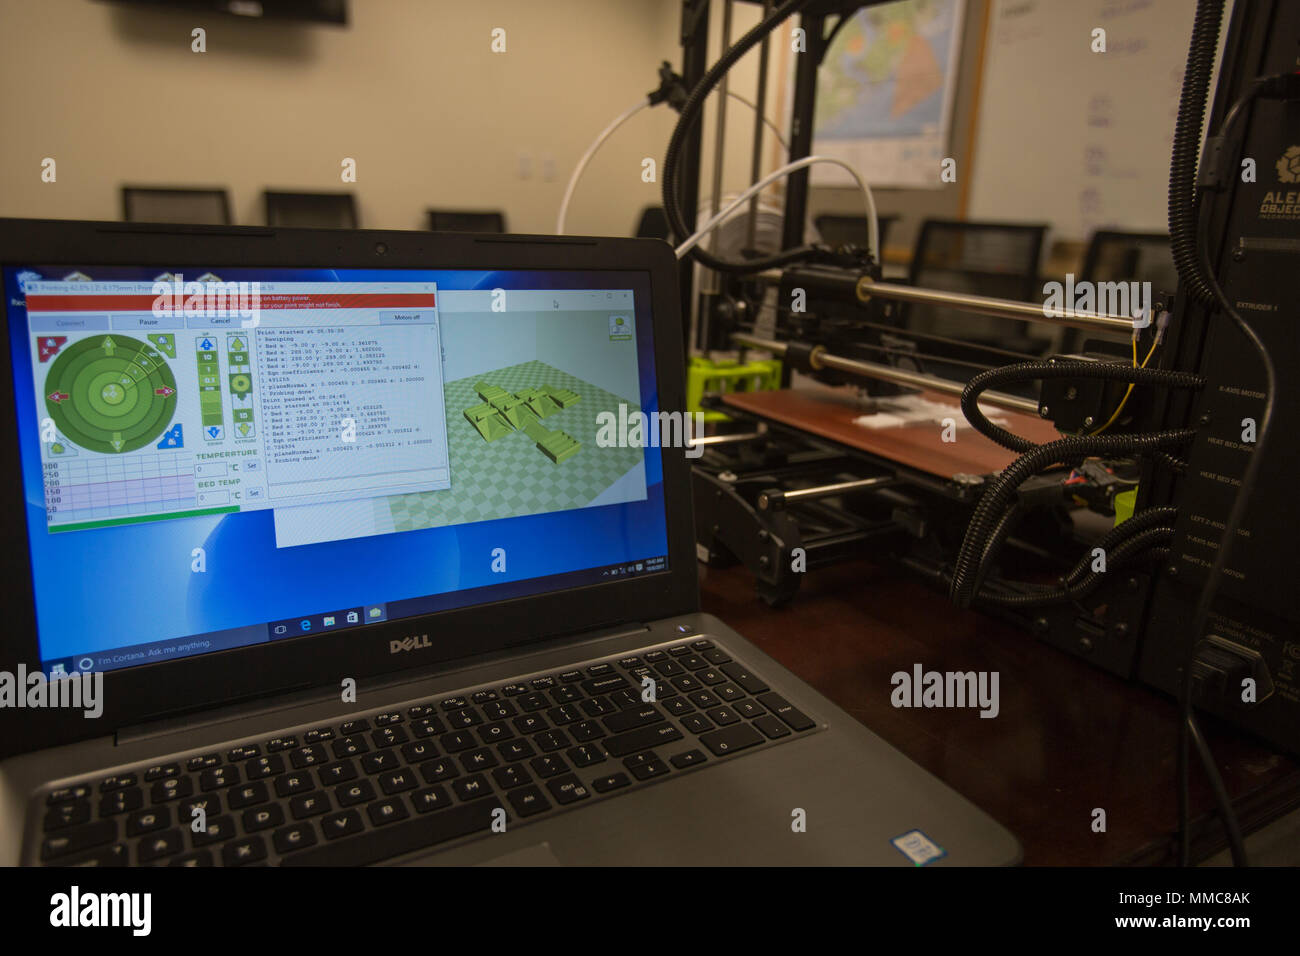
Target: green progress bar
(140, 519)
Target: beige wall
(410, 89)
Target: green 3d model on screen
(503, 413)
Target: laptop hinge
(194, 720)
(174, 723)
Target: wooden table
(1069, 738)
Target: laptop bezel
(152, 691)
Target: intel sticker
(918, 847)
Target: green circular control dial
(111, 394)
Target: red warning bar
(175, 305)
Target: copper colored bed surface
(829, 413)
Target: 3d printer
(1121, 499)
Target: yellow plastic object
(1124, 502)
(704, 376)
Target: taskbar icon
(328, 621)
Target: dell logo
(408, 643)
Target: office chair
(165, 204)
(837, 230)
(450, 220)
(311, 210)
(983, 258)
(1117, 256)
(653, 224)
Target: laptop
(338, 548)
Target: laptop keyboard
(408, 778)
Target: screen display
(214, 458)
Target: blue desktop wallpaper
(100, 589)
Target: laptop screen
(215, 458)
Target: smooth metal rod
(982, 305)
(727, 439)
(826, 491)
(1002, 308)
(720, 129)
(756, 160)
(820, 358)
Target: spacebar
(398, 838)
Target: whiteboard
(1078, 139)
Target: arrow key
(654, 767)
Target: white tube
(873, 222)
(586, 158)
(609, 131)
